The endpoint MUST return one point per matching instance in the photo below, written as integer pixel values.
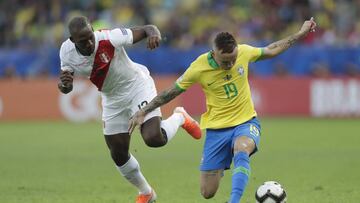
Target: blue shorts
(219, 143)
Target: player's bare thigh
(209, 182)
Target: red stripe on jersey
(103, 57)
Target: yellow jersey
(228, 96)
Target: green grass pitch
(316, 160)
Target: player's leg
(216, 158)
(125, 162)
(151, 133)
(244, 144)
(242, 148)
(157, 133)
(118, 141)
(209, 182)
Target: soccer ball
(270, 192)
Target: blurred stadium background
(314, 87)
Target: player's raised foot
(146, 198)
(190, 125)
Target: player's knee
(207, 194)
(154, 142)
(154, 139)
(246, 150)
(244, 144)
(120, 157)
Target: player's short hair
(225, 42)
(77, 23)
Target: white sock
(171, 124)
(131, 171)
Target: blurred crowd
(185, 23)
(29, 26)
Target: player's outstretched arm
(278, 47)
(147, 31)
(66, 82)
(163, 98)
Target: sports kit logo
(227, 77)
(104, 57)
(240, 70)
(123, 30)
(254, 130)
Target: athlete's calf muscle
(210, 183)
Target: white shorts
(119, 123)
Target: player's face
(225, 60)
(84, 40)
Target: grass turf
(316, 160)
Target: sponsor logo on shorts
(254, 130)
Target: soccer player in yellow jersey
(232, 127)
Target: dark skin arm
(140, 32)
(163, 98)
(147, 31)
(66, 82)
(280, 46)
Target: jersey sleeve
(253, 53)
(64, 64)
(120, 37)
(187, 79)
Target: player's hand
(136, 119)
(66, 82)
(153, 41)
(308, 26)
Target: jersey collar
(212, 61)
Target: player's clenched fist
(308, 26)
(154, 36)
(66, 82)
(153, 41)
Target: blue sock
(240, 176)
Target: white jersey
(115, 75)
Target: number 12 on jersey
(143, 103)
(230, 90)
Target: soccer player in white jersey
(125, 88)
